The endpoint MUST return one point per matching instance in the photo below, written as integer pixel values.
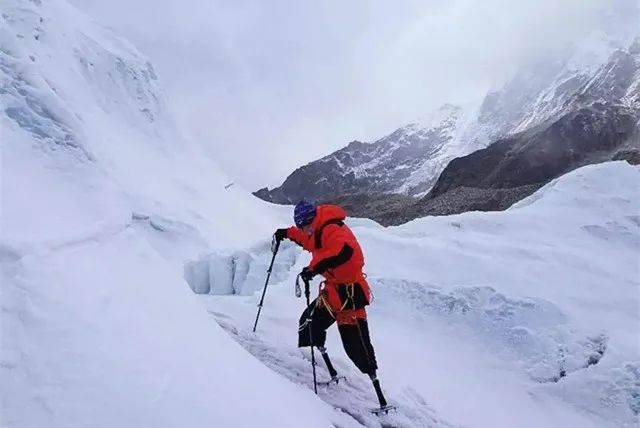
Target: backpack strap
(318, 234)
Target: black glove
(307, 274)
(280, 234)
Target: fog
(269, 86)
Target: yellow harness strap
(322, 301)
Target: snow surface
(527, 317)
(108, 215)
(102, 201)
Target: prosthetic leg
(384, 406)
(357, 343)
(314, 333)
(332, 371)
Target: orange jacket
(335, 252)
(336, 255)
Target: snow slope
(86, 101)
(102, 201)
(527, 317)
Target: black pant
(355, 338)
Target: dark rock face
(381, 207)
(458, 200)
(631, 156)
(511, 169)
(588, 135)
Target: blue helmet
(304, 213)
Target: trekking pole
(274, 250)
(309, 321)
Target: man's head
(303, 214)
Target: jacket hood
(327, 213)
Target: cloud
(268, 86)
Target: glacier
(526, 317)
(130, 274)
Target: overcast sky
(271, 85)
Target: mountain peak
(392, 164)
(355, 144)
(408, 161)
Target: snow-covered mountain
(110, 218)
(600, 121)
(401, 162)
(374, 180)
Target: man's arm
(337, 251)
(296, 235)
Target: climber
(344, 293)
